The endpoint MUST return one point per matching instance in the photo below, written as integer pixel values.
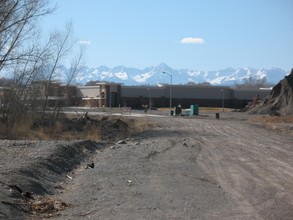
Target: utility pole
(169, 74)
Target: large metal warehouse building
(117, 95)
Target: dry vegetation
(272, 119)
(46, 205)
(69, 127)
(281, 124)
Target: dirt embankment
(32, 170)
(279, 101)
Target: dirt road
(199, 168)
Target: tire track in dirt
(245, 168)
(155, 153)
(202, 136)
(187, 178)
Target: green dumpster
(193, 110)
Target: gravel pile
(280, 100)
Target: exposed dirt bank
(33, 169)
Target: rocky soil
(280, 100)
(183, 168)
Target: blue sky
(194, 34)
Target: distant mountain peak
(153, 75)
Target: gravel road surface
(187, 168)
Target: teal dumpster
(193, 110)
(196, 109)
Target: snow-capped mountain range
(154, 75)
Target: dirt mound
(114, 128)
(280, 100)
(25, 186)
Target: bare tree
(60, 44)
(67, 93)
(75, 64)
(252, 83)
(28, 59)
(19, 52)
(17, 23)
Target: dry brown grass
(138, 125)
(271, 119)
(280, 124)
(69, 127)
(46, 205)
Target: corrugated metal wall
(188, 94)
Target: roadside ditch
(29, 188)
